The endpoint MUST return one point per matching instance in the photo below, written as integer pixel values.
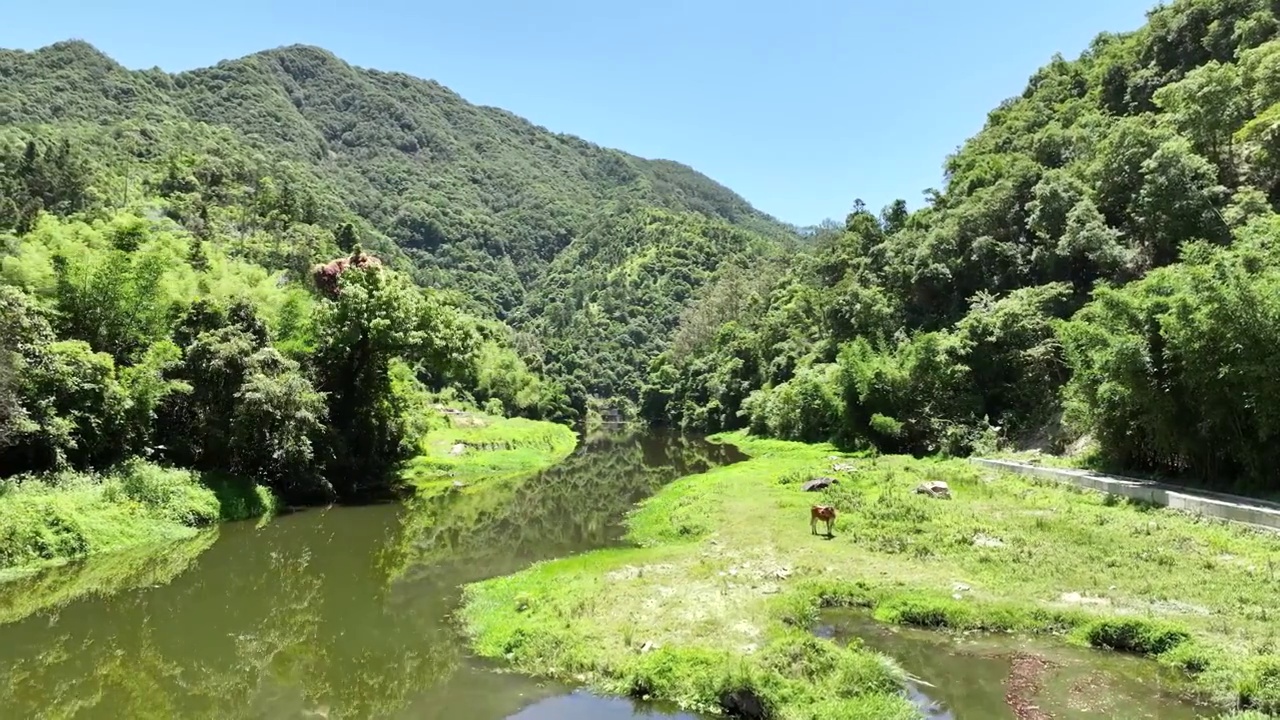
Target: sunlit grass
(51, 519)
(728, 573)
(494, 448)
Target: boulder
(458, 449)
(817, 484)
(934, 489)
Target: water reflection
(575, 506)
(325, 614)
(977, 677)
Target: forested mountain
(1099, 260)
(281, 150)
(1132, 191)
(468, 189)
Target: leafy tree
(278, 428)
(378, 316)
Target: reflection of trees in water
(268, 625)
(297, 617)
(102, 576)
(577, 505)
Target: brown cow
(825, 513)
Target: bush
(1176, 372)
(69, 515)
(806, 408)
(174, 495)
(1136, 635)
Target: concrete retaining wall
(1259, 513)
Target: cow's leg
(813, 524)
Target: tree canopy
(1095, 263)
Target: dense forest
(271, 268)
(251, 284)
(1102, 261)
(274, 153)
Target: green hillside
(279, 150)
(1139, 182)
(1097, 262)
(477, 196)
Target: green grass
(51, 519)
(727, 579)
(496, 448)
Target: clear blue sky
(798, 105)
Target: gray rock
(934, 489)
(821, 483)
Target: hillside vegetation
(250, 284)
(1101, 261)
(461, 197)
(1103, 253)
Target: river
(338, 613)
(345, 613)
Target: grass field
(713, 608)
(494, 448)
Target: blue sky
(801, 106)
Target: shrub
(174, 495)
(1136, 635)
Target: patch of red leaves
(326, 275)
(1023, 684)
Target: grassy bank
(475, 446)
(713, 609)
(50, 519)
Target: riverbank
(713, 610)
(49, 520)
(475, 447)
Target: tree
(278, 429)
(378, 316)
(1208, 106)
(345, 237)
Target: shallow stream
(995, 677)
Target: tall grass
(62, 516)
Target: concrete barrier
(1232, 508)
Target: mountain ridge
(285, 58)
(277, 150)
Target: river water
(339, 613)
(983, 676)
(345, 614)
